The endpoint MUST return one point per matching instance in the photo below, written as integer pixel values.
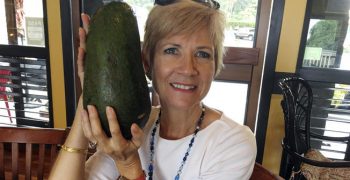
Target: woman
(183, 139)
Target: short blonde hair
(184, 17)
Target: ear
(146, 64)
(145, 61)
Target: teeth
(181, 86)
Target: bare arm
(86, 126)
(71, 165)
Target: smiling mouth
(182, 87)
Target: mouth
(183, 86)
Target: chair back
(28, 152)
(3, 79)
(296, 105)
(3, 96)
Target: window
(328, 45)
(24, 64)
(240, 17)
(228, 97)
(330, 116)
(324, 60)
(239, 32)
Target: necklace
(154, 130)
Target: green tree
(245, 10)
(323, 34)
(239, 13)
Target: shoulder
(230, 149)
(218, 120)
(225, 134)
(236, 128)
(228, 128)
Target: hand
(83, 31)
(124, 152)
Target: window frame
(70, 23)
(317, 74)
(321, 75)
(245, 64)
(33, 52)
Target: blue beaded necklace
(150, 167)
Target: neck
(152, 142)
(179, 124)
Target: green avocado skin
(114, 74)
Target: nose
(188, 66)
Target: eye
(171, 50)
(203, 54)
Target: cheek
(158, 77)
(210, 71)
(209, 76)
(158, 72)
(162, 69)
(207, 81)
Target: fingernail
(89, 107)
(109, 109)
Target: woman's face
(183, 69)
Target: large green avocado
(114, 74)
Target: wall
(56, 63)
(293, 19)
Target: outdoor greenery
(323, 34)
(239, 13)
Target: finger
(82, 38)
(80, 64)
(96, 127)
(113, 122)
(86, 22)
(86, 126)
(137, 135)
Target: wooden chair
(261, 173)
(28, 152)
(3, 96)
(297, 105)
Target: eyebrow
(172, 44)
(178, 45)
(205, 47)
